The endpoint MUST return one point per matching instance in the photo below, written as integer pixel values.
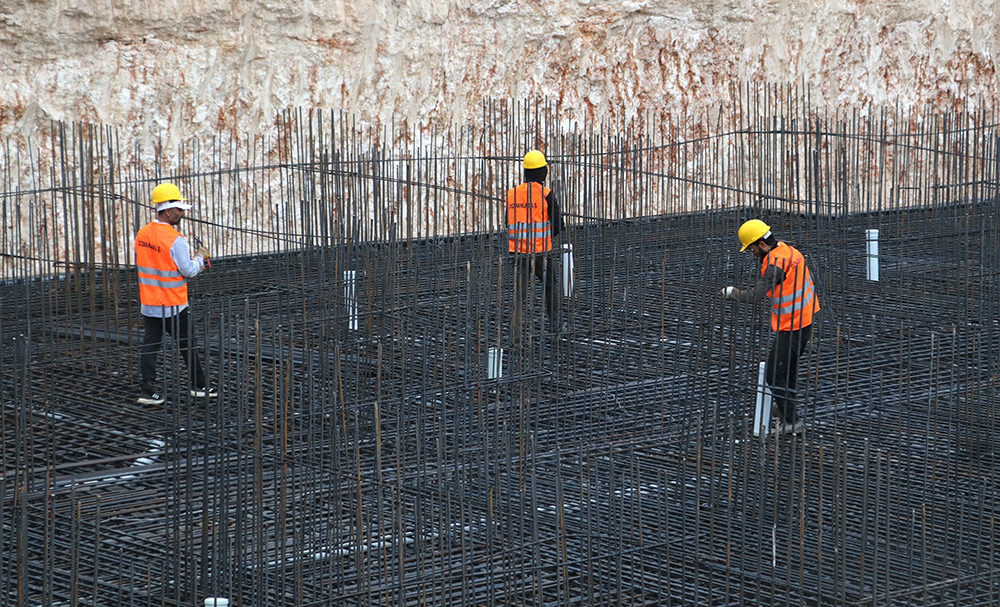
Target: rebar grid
(360, 452)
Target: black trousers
(177, 326)
(781, 369)
(542, 267)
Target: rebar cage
(395, 426)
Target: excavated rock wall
(173, 69)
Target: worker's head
(756, 236)
(170, 206)
(535, 167)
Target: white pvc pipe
(350, 284)
(762, 411)
(494, 363)
(567, 269)
(216, 602)
(871, 237)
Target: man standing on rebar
(784, 278)
(165, 263)
(533, 219)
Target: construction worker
(165, 262)
(533, 219)
(784, 278)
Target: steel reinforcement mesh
(388, 432)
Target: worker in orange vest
(165, 262)
(784, 278)
(533, 219)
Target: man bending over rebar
(533, 219)
(784, 278)
(165, 263)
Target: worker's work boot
(782, 428)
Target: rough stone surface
(172, 69)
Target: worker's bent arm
(773, 275)
(555, 213)
(181, 255)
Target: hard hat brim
(173, 204)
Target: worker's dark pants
(178, 327)
(541, 265)
(782, 368)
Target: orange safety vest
(529, 229)
(794, 301)
(160, 283)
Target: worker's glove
(202, 251)
(730, 293)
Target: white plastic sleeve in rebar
(567, 269)
(871, 237)
(350, 280)
(494, 363)
(762, 410)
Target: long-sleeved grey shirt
(773, 275)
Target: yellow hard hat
(751, 231)
(166, 192)
(534, 160)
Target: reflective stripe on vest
(529, 229)
(166, 284)
(163, 273)
(160, 283)
(794, 301)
